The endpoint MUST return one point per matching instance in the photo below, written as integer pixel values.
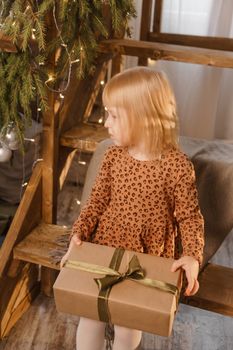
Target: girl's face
(114, 123)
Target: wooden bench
(46, 244)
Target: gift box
(129, 289)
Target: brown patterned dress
(143, 205)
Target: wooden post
(50, 160)
(116, 65)
(50, 148)
(50, 140)
(48, 277)
(145, 26)
(157, 16)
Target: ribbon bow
(134, 272)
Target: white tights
(90, 336)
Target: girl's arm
(188, 215)
(190, 226)
(98, 201)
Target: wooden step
(45, 245)
(160, 51)
(216, 290)
(84, 137)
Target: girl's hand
(75, 240)
(191, 267)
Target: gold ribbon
(134, 272)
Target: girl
(144, 196)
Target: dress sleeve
(188, 216)
(97, 203)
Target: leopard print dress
(144, 205)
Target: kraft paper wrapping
(130, 304)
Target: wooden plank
(84, 137)
(66, 164)
(208, 42)
(158, 51)
(157, 16)
(6, 43)
(48, 278)
(80, 95)
(21, 308)
(216, 290)
(29, 277)
(27, 216)
(145, 26)
(50, 136)
(95, 88)
(50, 142)
(116, 65)
(13, 292)
(45, 245)
(145, 19)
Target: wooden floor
(42, 328)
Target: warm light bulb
(50, 78)
(75, 61)
(29, 140)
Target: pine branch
(81, 26)
(45, 6)
(40, 33)
(26, 34)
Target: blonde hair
(144, 99)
